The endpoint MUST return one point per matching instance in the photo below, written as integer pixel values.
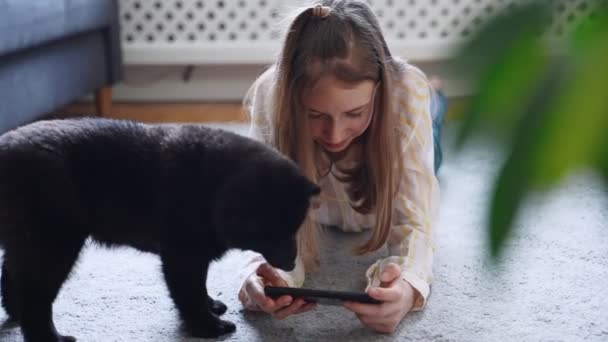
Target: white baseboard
(220, 83)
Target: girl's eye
(354, 114)
(314, 115)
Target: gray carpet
(551, 287)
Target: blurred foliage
(545, 99)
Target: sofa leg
(103, 101)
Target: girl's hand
(253, 298)
(397, 296)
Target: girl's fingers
(290, 309)
(390, 319)
(270, 274)
(365, 309)
(255, 289)
(389, 273)
(387, 294)
(369, 320)
(307, 307)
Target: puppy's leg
(38, 267)
(216, 306)
(9, 301)
(187, 287)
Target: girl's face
(339, 112)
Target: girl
(357, 121)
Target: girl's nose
(333, 133)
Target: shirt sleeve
(410, 242)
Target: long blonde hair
(345, 42)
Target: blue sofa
(53, 52)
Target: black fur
(187, 193)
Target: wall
(229, 42)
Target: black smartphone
(325, 297)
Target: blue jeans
(439, 106)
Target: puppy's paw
(217, 307)
(212, 329)
(225, 327)
(67, 339)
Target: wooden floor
(186, 112)
(164, 112)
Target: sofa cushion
(24, 24)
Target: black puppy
(187, 193)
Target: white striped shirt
(410, 242)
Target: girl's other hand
(397, 296)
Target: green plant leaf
(507, 59)
(513, 182)
(578, 120)
(511, 187)
(554, 112)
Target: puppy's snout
(283, 259)
(285, 265)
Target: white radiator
(247, 31)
